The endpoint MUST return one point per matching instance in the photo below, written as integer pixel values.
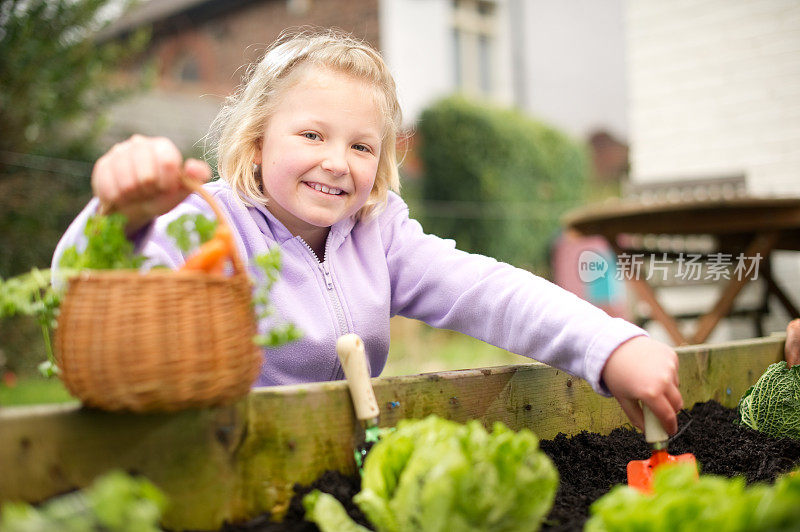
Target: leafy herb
(115, 502)
(31, 294)
(107, 247)
(682, 502)
(772, 404)
(191, 230)
(269, 266)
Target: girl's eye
(362, 147)
(310, 135)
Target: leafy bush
(683, 502)
(496, 180)
(56, 85)
(439, 475)
(55, 72)
(772, 404)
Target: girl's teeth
(326, 190)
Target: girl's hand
(792, 348)
(644, 370)
(140, 178)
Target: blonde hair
(240, 124)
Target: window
(474, 23)
(187, 69)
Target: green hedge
(496, 180)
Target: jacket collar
(269, 224)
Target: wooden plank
(237, 462)
(48, 450)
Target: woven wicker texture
(160, 341)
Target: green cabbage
(772, 405)
(438, 475)
(681, 502)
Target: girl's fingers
(124, 173)
(664, 411)
(169, 162)
(197, 170)
(104, 185)
(675, 399)
(145, 167)
(633, 411)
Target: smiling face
(319, 152)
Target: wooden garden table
(742, 225)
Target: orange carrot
(208, 255)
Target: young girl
(307, 163)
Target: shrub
(496, 180)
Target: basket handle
(198, 189)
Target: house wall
(417, 43)
(561, 62)
(183, 110)
(420, 59)
(715, 90)
(574, 65)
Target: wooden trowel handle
(653, 431)
(350, 349)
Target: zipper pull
(327, 273)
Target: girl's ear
(257, 156)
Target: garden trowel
(350, 349)
(640, 472)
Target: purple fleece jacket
(376, 269)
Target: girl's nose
(335, 163)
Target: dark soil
(340, 486)
(590, 464)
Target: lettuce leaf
(437, 475)
(680, 501)
(328, 513)
(115, 502)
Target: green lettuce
(438, 475)
(772, 404)
(681, 502)
(115, 502)
(329, 514)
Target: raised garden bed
(589, 464)
(234, 464)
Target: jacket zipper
(338, 372)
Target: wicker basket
(160, 341)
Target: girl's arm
(525, 314)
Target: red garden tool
(350, 349)
(640, 472)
